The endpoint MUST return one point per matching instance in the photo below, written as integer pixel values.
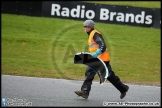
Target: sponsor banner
(68, 10)
(30, 8)
(157, 18)
(111, 14)
(125, 15)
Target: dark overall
(89, 76)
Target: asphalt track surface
(32, 91)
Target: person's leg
(115, 80)
(89, 76)
(86, 86)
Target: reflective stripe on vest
(93, 46)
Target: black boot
(124, 93)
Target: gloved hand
(95, 54)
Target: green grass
(145, 4)
(45, 47)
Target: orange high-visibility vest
(93, 46)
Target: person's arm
(99, 39)
(102, 46)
